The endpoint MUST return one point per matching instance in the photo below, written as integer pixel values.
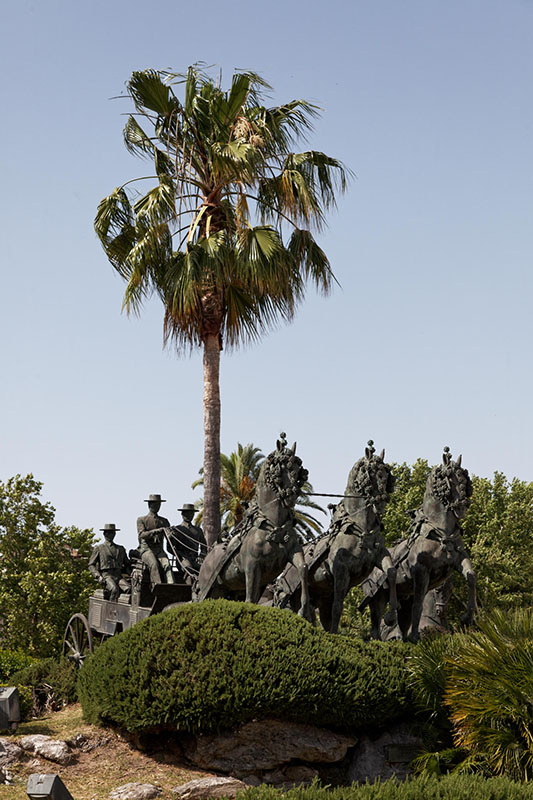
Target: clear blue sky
(427, 343)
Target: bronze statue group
(265, 561)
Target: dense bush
(52, 683)
(450, 787)
(12, 661)
(489, 692)
(478, 691)
(214, 664)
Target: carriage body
(106, 617)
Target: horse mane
(440, 481)
(283, 460)
(371, 477)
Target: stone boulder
(266, 745)
(135, 791)
(209, 787)
(385, 757)
(46, 747)
(9, 752)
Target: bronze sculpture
(352, 546)
(109, 563)
(151, 537)
(433, 549)
(266, 539)
(187, 543)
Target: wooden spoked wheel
(78, 640)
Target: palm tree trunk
(211, 439)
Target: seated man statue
(108, 563)
(188, 542)
(151, 537)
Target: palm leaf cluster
(489, 692)
(222, 234)
(239, 473)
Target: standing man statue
(151, 537)
(108, 563)
(188, 542)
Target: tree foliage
(43, 569)
(498, 531)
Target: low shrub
(489, 693)
(211, 665)
(450, 787)
(52, 683)
(12, 661)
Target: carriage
(106, 617)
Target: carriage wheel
(78, 640)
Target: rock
(86, 743)
(9, 752)
(46, 747)
(385, 757)
(5, 776)
(79, 741)
(299, 773)
(266, 745)
(135, 791)
(274, 776)
(209, 787)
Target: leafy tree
(499, 533)
(223, 236)
(239, 473)
(43, 569)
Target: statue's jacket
(150, 523)
(109, 557)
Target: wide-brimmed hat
(110, 526)
(155, 498)
(187, 507)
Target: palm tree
(239, 473)
(223, 234)
(238, 476)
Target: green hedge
(52, 683)
(450, 787)
(211, 665)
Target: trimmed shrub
(52, 683)
(450, 787)
(212, 665)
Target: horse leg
(252, 577)
(306, 611)
(324, 612)
(341, 585)
(468, 573)
(377, 607)
(405, 613)
(391, 617)
(420, 586)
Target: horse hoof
(413, 637)
(391, 619)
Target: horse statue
(350, 549)
(434, 548)
(265, 540)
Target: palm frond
(148, 91)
